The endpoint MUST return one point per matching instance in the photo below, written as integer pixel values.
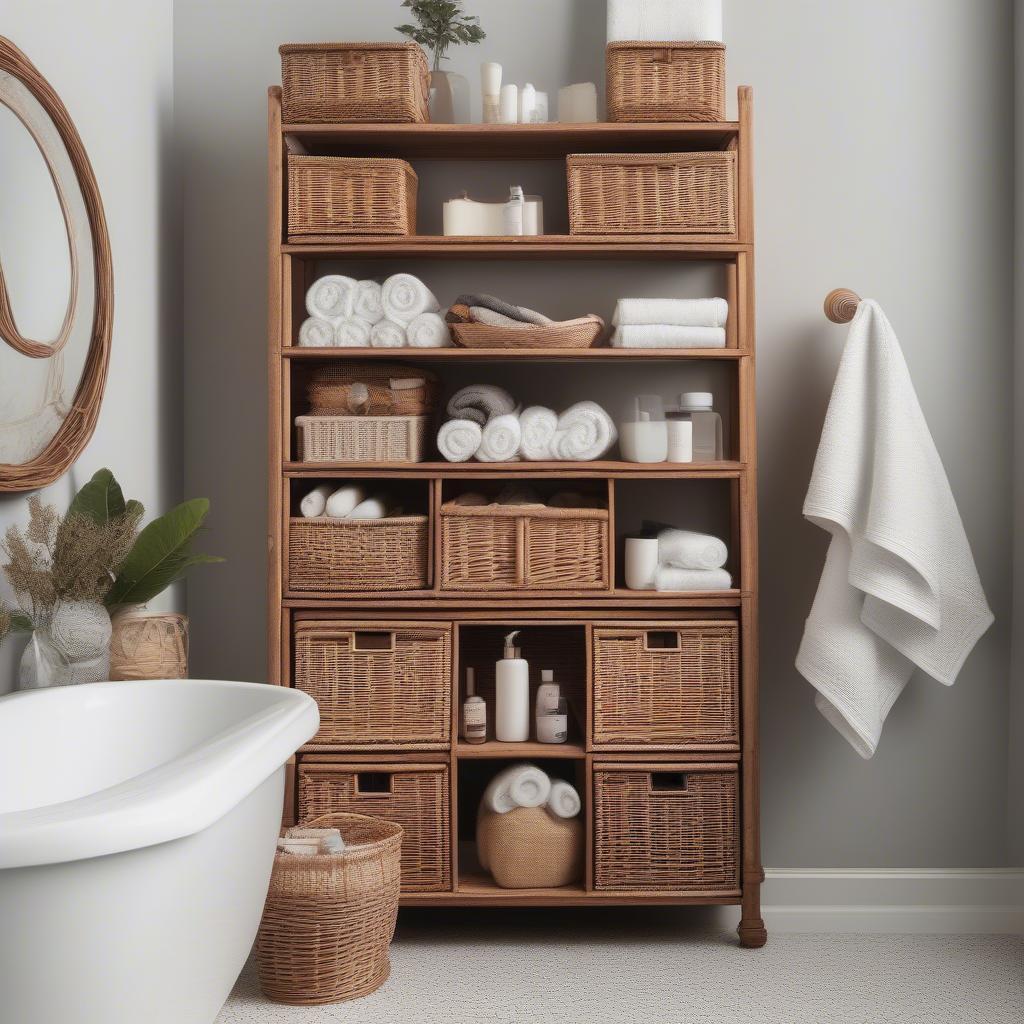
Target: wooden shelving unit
(293, 266)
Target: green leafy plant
(441, 24)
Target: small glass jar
(707, 425)
(643, 433)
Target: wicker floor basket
(361, 438)
(354, 82)
(667, 828)
(666, 687)
(580, 333)
(528, 848)
(652, 193)
(376, 684)
(523, 547)
(329, 919)
(665, 81)
(414, 796)
(390, 390)
(336, 195)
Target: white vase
(449, 98)
(72, 647)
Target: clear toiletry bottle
(512, 695)
(707, 425)
(474, 712)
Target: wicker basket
(653, 193)
(523, 547)
(329, 390)
(665, 81)
(329, 919)
(327, 554)
(667, 828)
(667, 686)
(354, 82)
(528, 848)
(376, 683)
(581, 333)
(337, 195)
(361, 438)
(414, 796)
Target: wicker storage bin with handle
(528, 848)
(329, 918)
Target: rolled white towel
(343, 500)
(459, 440)
(387, 334)
(316, 333)
(332, 297)
(428, 330)
(480, 402)
(538, 427)
(585, 432)
(687, 549)
(667, 336)
(368, 304)
(376, 507)
(501, 439)
(314, 503)
(658, 20)
(520, 785)
(404, 297)
(563, 800)
(669, 579)
(353, 332)
(672, 312)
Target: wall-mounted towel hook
(841, 305)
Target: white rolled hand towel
(314, 503)
(332, 297)
(501, 439)
(387, 334)
(585, 432)
(480, 402)
(341, 501)
(687, 549)
(368, 304)
(563, 800)
(353, 332)
(660, 20)
(520, 785)
(376, 507)
(428, 330)
(671, 312)
(669, 579)
(538, 426)
(316, 333)
(404, 297)
(459, 440)
(667, 336)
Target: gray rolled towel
(521, 313)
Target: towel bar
(841, 305)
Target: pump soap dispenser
(512, 702)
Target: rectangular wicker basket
(358, 554)
(523, 547)
(667, 827)
(361, 438)
(376, 683)
(354, 82)
(330, 196)
(665, 81)
(663, 687)
(414, 796)
(652, 193)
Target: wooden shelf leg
(751, 929)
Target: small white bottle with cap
(474, 712)
(707, 425)
(512, 695)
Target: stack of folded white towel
(688, 560)
(346, 313)
(660, 20)
(525, 785)
(309, 842)
(347, 501)
(487, 424)
(670, 323)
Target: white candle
(641, 562)
(540, 110)
(509, 104)
(527, 103)
(490, 91)
(577, 104)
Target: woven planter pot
(528, 848)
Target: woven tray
(665, 81)
(580, 333)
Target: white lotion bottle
(512, 695)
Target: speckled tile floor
(615, 967)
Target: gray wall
(1015, 795)
(884, 164)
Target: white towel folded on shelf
(899, 589)
(687, 549)
(368, 303)
(353, 332)
(428, 330)
(669, 579)
(585, 432)
(387, 334)
(377, 507)
(480, 402)
(459, 440)
(538, 426)
(315, 502)
(341, 501)
(316, 333)
(563, 800)
(665, 20)
(332, 297)
(520, 785)
(404, 297)
(501, 439)
(667, 336)
(673, 312)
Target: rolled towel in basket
(687, 549)
(314, 503)
(673, 312)
(658, 20)
(428, 330)
(368, 304)
(405, 297)
(343, 500)
(332, 297)
(563, 800)
(483, 315)
(316, 333)
(520, 785)
(509, 309)
(387, 334)
(585, 432)
(480, 402)
(538, 427)
(667, 336)
(353, 332)
(669, 579)
(377, 507)
(458, 440)
(501, 439)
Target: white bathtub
(137, 832)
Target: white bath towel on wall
(899, 589)
(662, 20)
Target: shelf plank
(619, 603)
(501, 355)
(492, 748)
(498, 471)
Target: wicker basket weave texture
(579, 333)
(379, 684)
(528, 848)
(329, 390)
(354, 82)
(654, 193)
(671, 840)
(361, 438)
(329, 919)
(671, 697)
(418, 801)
